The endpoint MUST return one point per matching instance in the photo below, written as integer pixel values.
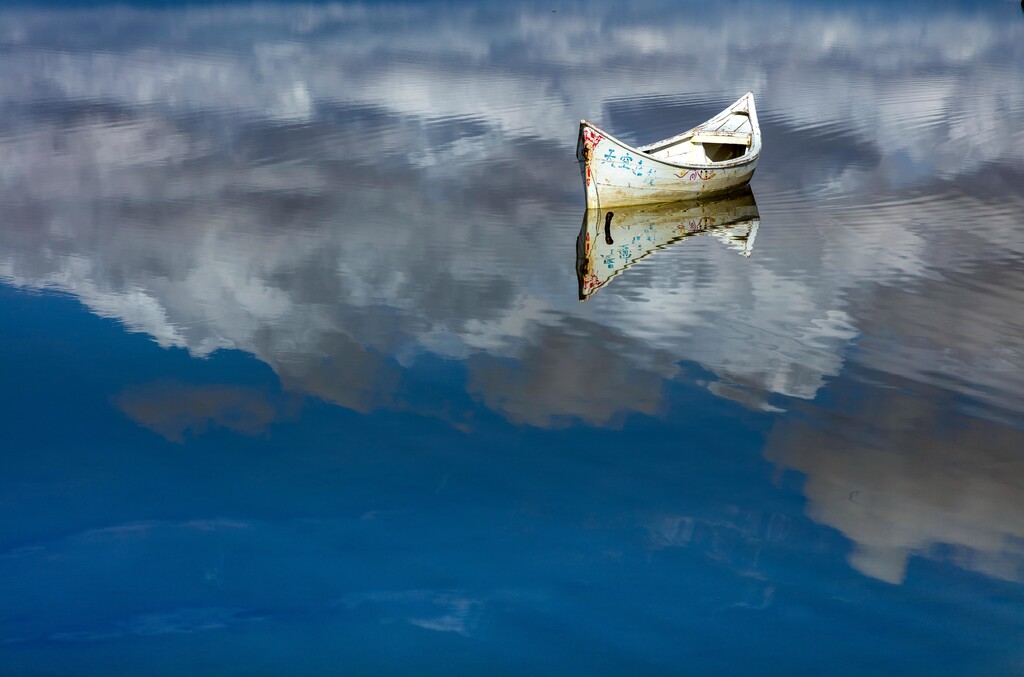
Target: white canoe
(611, 241)
(714, 157)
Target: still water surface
(297, 378)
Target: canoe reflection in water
(611, 240)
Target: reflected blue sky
(298, 378)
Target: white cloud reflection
(338, 180)
(955, 496)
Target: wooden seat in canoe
(734, 138)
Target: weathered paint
(612, 240)
(616, 174)
(589, 140)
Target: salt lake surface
(296, 378)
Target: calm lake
(297, 378)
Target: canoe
(714, 157)
(610, 241)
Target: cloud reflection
(339, 195)
(175, 622)
(174, 409)
(956, 494)
(437, 610)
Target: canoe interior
(723, 138)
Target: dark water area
(297, 378)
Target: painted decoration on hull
(590, 141)
(617, 177)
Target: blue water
(297, 379)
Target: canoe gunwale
(744, 159)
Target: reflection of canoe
(611, 241)
(714, 157)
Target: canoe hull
(613, 185)
(616, 174)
